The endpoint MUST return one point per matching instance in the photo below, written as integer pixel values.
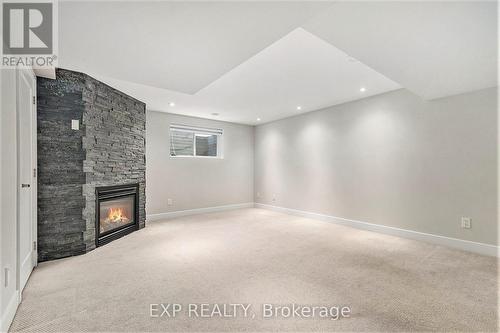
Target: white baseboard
(481, 248)
(169, 215)
(10, 312)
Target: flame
(115, 214)
(116, 217)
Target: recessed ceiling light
(362, 89)
(299, 107)
(171, 104)
(258, 119)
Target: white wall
(8, 202)
(194, 183)
(392, 159)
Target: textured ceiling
(298, 70)
(180, 46)
(249, 60)
(433, 49)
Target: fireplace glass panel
(116, 213)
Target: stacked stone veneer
(108, 149)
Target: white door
(26, 228)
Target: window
(195, 141)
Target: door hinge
(34, 246)
(34, 100)
(34, 173)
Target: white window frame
(198, 131)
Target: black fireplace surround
(108, 149)
(117, 212)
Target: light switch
(75, 124)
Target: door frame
(28, 75)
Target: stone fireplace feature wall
(114, 143)
(108, 149)
(60, 166)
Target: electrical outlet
(274, 197)
(258, 194)
(169, 202)
(466, 222)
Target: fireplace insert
(117, 212)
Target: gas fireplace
(117, 212)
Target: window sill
(200, 157)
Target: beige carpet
(257, 256)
